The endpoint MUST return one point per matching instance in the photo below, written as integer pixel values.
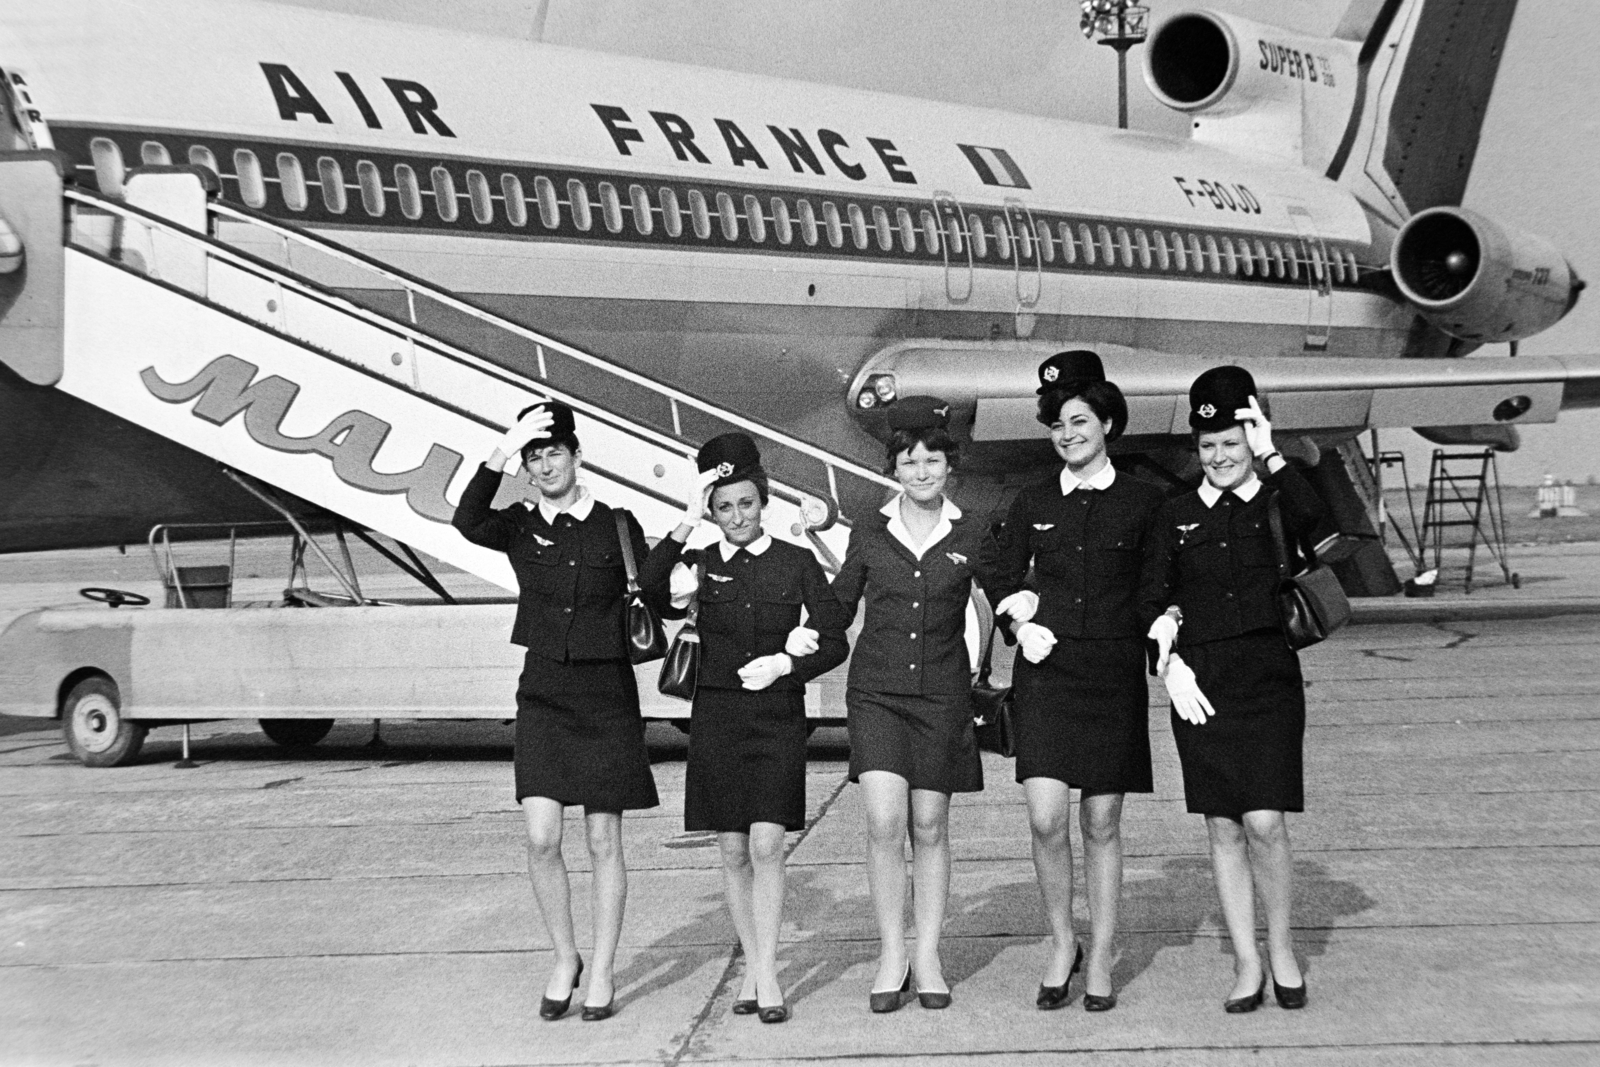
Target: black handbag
(991, 706)
(681, 671)
(646, 638)
(1311, 603)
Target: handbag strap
(626, 541)
(1307, 552)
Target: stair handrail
(411, 283)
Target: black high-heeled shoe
(1242, 1005)
(777, 1014)
(934, 1001)
(1052, 997)
(893, 1000)
(594, 1013)
(746, 1007)
(555, 1009)
(1290, 997)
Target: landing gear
(296, 733)
(95, 731)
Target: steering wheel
(113, 597)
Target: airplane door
(1313, 255)
(957, 247)
(1024, 253)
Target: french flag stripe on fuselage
(994, 166)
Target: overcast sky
(1537, 164)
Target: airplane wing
(995, 384)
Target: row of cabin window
(1158, 249)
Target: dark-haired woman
(1080, 692)
(1238, 700)
(580, 738)
(746, 776)
(910, 693)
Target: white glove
(802, 641)
(682, 584)
(1020, 605)
(1164, 632)
(1036, 641)
(535, 423)
(1184, 692)
(699, 500)
(764, 670)
(1257, 430)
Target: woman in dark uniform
(1080, 693)
(746, 776)
(579, 738)
(1238, 699)
(910, 692)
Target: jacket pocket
(778, 610)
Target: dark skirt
(747, 760)
(580, 739)
(1082, 716)
(927, 740)
(1247, 757)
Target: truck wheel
(96, 732)
(296, 733)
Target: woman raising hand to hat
(910, 693)
(1238, 699)
(746, 775)
(1081, 698)
(580, 738)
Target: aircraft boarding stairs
(357, 410)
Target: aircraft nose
(1578, 286)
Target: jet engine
(1480, 280)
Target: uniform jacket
(913, 640)
(1218, 564)
(748, 605)
(1096, 559)
(569, 572)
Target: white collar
(579, 510)
(1210, 494)
(948, 513)
(1101, 479)
(755, 548)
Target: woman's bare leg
(609, 895)
(1100, 818)
(930, 880)
(547, 870)
(1048, 819)
(767, 884)
(1235, 889)
(887, 800)
(738, 878)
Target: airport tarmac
(363, 905)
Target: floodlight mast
(1119, 25)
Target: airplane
(807, 254)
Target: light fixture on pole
(1118, 24)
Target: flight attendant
(910, 693)
(1079, 686)
(579, 735)
(746, 775)
(1238, 700)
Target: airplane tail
(1425, 71)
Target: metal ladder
(1468, 498)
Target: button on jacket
(748, 605)
(914, 638)
(569, 571)
(1096, 559)
(1218, 563)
